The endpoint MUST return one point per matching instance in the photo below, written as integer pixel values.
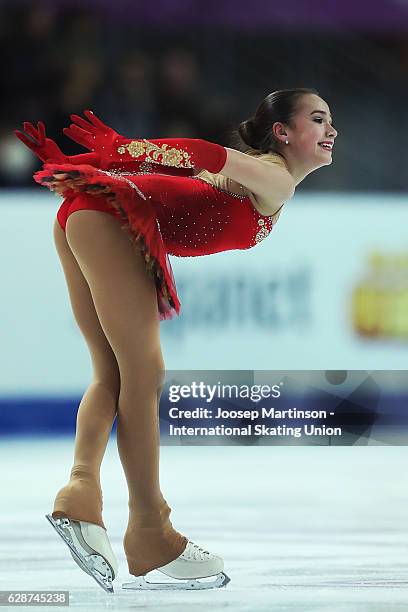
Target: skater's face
(311, 124)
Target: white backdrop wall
(284, 304)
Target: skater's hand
(93, 134)
(35, 139)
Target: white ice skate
(90, 548)
(192, 564)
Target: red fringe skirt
(135, 212)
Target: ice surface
(300, 528)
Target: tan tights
(115, 305)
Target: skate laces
(196, 552)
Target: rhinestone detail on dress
(122, 176)
(263, 232)
(168, 156)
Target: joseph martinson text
(253, 429)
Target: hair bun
(251, 128)
(247, 132)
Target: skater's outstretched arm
(96, 136)
(270, 181)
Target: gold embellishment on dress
(146, 167)
(263, 232)
(169, 156)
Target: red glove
(177, 152)
(45, 148)
(48, 150)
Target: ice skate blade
(141, 583)
(94, 565)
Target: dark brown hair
(256, 132)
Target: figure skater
(176, 196)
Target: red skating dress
(166, 211)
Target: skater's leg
(81, 498)
(126, 303)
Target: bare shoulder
(271, 201)
(283, 185)
(266, 176)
